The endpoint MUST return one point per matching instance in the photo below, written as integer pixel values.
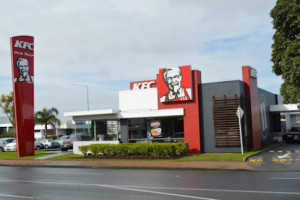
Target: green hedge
(9, 133)
(53, 137)
(132, 149)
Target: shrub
(53, 137)
(9, 133)
(94, 148)
(123, 149)
(84, 149)
(181, 148)
(131, 149)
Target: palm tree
(7, 105)
(46, 117)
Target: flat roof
(284, 108)
(117, 114)
(91, 113)
(152, 113)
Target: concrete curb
(199, 165)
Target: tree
(286, 48)
(7, 105)
(46, 117)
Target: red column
(191, 116)
(250, 79)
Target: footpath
(115, 164)
(208, 165)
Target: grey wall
(266, 119)
(207, 91)
(124, 130)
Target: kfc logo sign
(24, 45)
(142, 85)
(175, 84)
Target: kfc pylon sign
(142, 85)
(22, 58)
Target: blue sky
(107, 44)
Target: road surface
(107, 184)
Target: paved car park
(284, 157)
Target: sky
(104, 45)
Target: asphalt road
(285, 157)
(105, 184)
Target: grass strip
(14, 156)
(198, 157)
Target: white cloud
(106, 44)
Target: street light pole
(87, 94)
(87, 97)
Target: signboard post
(240, 114)
(22, 57)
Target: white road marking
(286, 178)
(17, 196)
(216, 190)
(110, 186)
(135, 188)
(284, 156)
(73, 173)
(155, 192)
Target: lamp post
(87, 93)
(88, 104)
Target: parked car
(49, 143)
(38, 145)
(62, 138)
(68, 144)
(4, 142)
(11, 146)
(292, 135)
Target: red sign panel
(22, 55)
(177, 84)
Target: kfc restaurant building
(176, 106)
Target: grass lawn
(218, 156)
(13, 155)
(66, 157)
(198, 157)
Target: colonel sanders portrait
(23, 68)
(172, 78)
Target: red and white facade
(169, 109)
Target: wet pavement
(112, 184)
(285, 157)
(53, 153)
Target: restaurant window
(106, 130)
(156, 129)
(137, 129)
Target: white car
(5, 141)
(13, 146)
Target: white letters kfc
(142, 86)
(24, 45)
